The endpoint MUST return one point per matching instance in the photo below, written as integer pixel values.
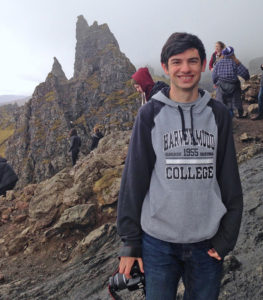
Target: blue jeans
(165, 263)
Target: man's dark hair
(179, 42)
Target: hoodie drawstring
(183, 124)
(192, 125)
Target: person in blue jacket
(180, 201)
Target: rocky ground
(58, 238)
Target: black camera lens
(118, 282)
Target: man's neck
(183, 96)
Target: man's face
(185, 69)
(138, 88)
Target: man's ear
(204, 65)
(165, 68)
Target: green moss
(61, 138)
(81, 120)
(56, 124)
(93, 81)
(51, 96)
(103, 185)
(5, 134)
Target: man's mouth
(186, 78)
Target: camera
(119, 282)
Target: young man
(180, 202)
(144, 84)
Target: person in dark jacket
(259, 116)
(225, 77)
(216, 55)
(75, 143)
(144, 84)
(180, 201)
(8, 177)
(97, 135)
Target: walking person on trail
(180, 201)
(75, 144)
(144, 84)
(225, 77)
(97, 135)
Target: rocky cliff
(99, 94)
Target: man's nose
(185, 67)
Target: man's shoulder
(219, 110)
(150, 110)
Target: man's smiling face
(184, 70)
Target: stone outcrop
(250, 89)
(99, 94)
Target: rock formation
(98, 94)
(250, 89)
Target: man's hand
(212, 252)
(126, 264)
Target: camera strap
(113, 295)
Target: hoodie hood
(144, 79)
(197, 106)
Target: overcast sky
(32, 32)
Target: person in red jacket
(144, 84)
(216, 55)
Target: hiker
(225, 77)
(97, 135)
(259, 116)
(179, 211)
(75, 144)
(8, 177)
(144, 84)
(216, 55)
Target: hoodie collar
(199, 104)
(194, 107)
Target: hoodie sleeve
(229, 183)
(135, 182)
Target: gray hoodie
(181, 182)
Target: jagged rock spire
(57, 70)
(81, 27)
(92, 42)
